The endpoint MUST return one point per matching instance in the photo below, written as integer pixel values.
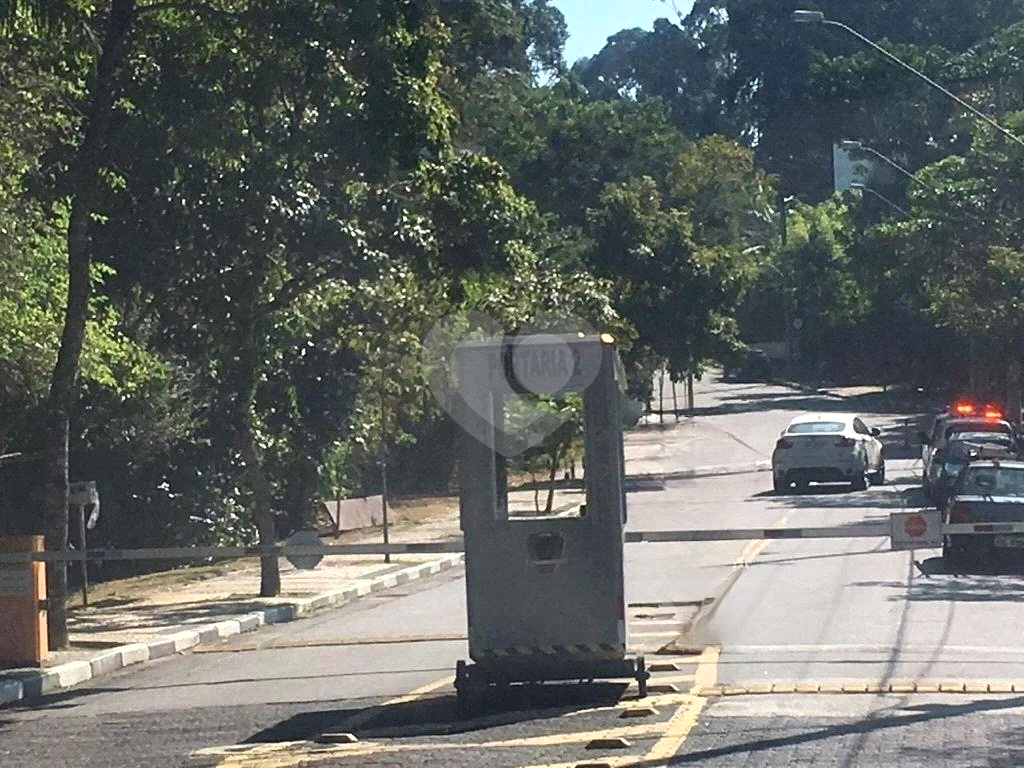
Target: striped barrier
(960, 529)
(206, 553)
(552, 651)
(861, 530)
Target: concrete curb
(35, 683)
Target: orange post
(24, 642)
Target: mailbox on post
(545, 593)
(23, 643)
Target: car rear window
(986, 427)
(1001, 438)
(993, 481)
(813, 427)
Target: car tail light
(784, 443)
(845, 442)
(958, 513)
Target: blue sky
(592, 22)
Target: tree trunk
(552, 476)
(262, 499)
(63, 382)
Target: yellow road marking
(755, 548)
(268, 756)
(420, 692)
(670, 735)
(675, 733)
(290, 754)
(707, 669)
(361, 718)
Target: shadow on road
(761, 561)
(997, 585)
(841, 497)
(60, 700)
(439, 715)
(748, 749)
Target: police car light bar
(964, 409)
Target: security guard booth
(545, 594)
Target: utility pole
(661, 396)
(788, 289)
(384, 467)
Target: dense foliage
(227, 228)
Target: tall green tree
(277, 215)
(99, 37)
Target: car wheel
(879, 477)
(779, 484)
(860, 481)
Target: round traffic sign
(305, 562)
(915, 526)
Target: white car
(828, 448)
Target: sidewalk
(135, 621)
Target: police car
(961, 418)
(963, 449)
(987, 491)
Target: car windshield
(992, 481)
(816, 427)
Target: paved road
(811, 614)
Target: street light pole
(817, 17)
(787, 319)
(880, 196)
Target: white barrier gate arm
(921, 529)
(860, 530)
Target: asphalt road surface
(825, 652)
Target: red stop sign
(915, 526)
